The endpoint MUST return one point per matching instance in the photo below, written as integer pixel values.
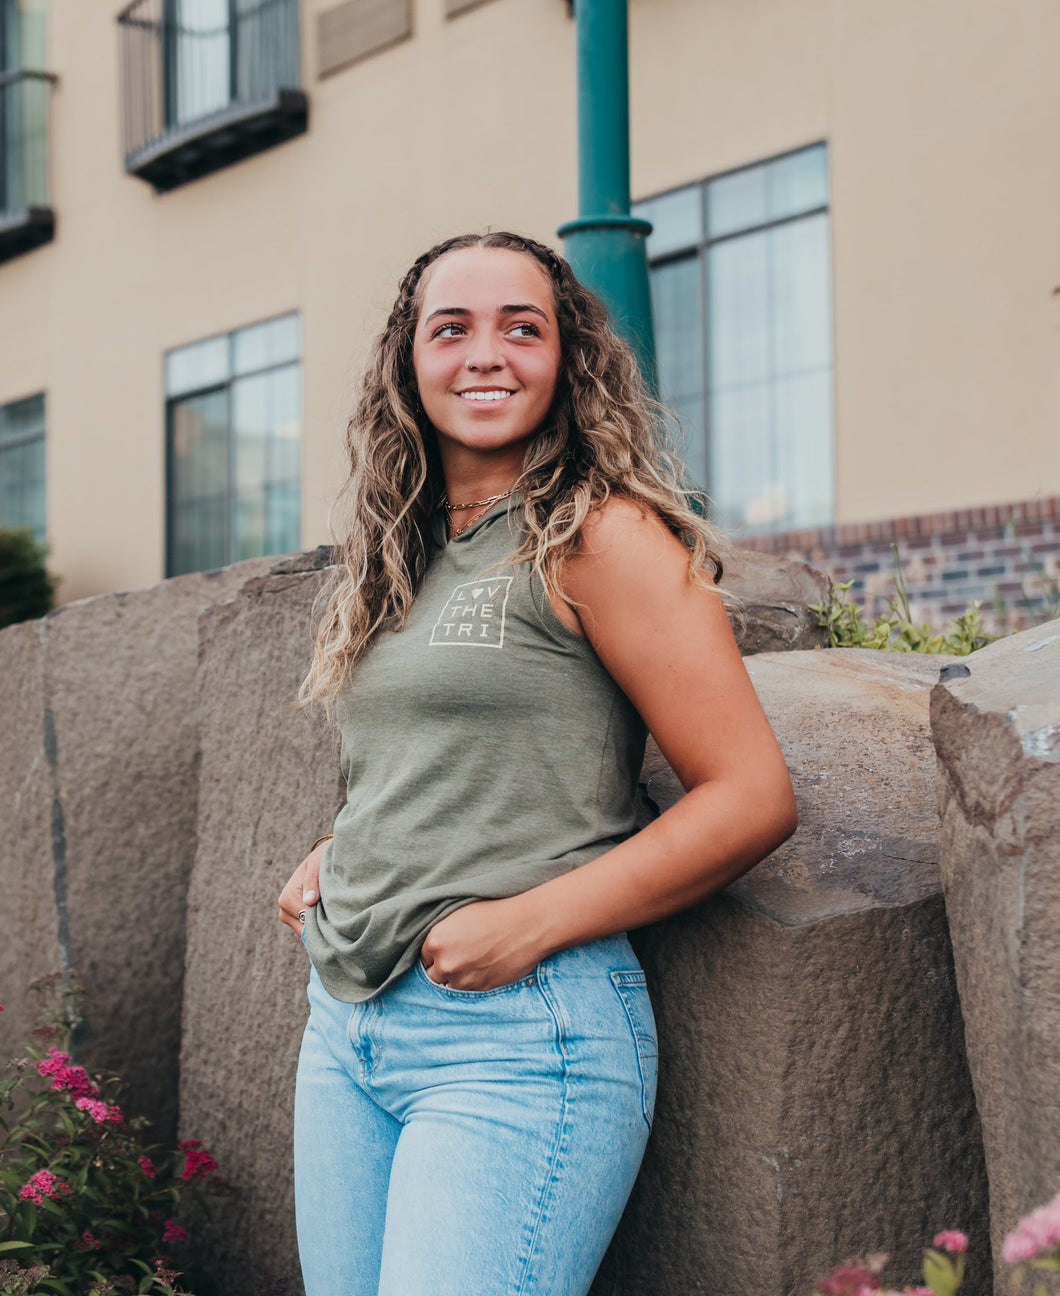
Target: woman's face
(486, 354)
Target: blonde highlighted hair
(604, 436)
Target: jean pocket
(632, 990)
(453, 993)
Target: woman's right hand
(302, 889)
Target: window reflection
(235, 450)
(743, 326)
(22, 500)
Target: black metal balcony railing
(206, 83)
(26, 219)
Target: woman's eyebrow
(519, 308)
(447, 310)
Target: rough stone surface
(775, 596)
(997, 735)
(106, 740)
(270, 783)
(814, 1098)
(30, 947)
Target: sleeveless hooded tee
(485, 750)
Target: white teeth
(485, 395)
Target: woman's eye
(525, 330)
(448, 330)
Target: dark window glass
(22, 465)
(741, 293)
(23, 107)
(234, 429)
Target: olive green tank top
(486, 750)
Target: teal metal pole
(606, 246)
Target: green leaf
(16, 1246)
(939, 1274)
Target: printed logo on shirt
(473, 615)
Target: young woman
(522, 590)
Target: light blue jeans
(462, 1143)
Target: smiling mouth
(493, 394)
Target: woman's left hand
(480, 946)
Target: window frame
(8, 442)
(699, 250)
(231, 495)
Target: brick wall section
(1006, 555)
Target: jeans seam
(525, 1279)
(622, 985)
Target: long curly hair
(603, 436)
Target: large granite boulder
(100, 763)
(773, 598)
(30, 826)
(814, 1098)
(996, 725)
(776, 598)
(269, 784)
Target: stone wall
(99, 769)
(815, 1099)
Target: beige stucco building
(931, 279)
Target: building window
(206, 83)
(26, 220)
(741, 295)
(233, 433)
(22, 465)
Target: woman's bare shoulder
(625, 543)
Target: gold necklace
(482, 504)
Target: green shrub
(26, 589)
(87, 1206)
(895, 629)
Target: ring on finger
(301, 915)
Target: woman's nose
(483, 355)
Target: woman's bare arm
(667, 643)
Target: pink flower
(1036, 1233)
(1017, 1246)
(89, 1242)
(148, 1166)
(197, 1164)
(41, 1186)
(951, 1240)
(165, 1275)
(99, 1111)
(174, 1233)
(64, 1076)
(850, 1280)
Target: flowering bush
(86, 1208)
(1034, 1244)
(942, 1275)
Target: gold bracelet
(326, 837)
